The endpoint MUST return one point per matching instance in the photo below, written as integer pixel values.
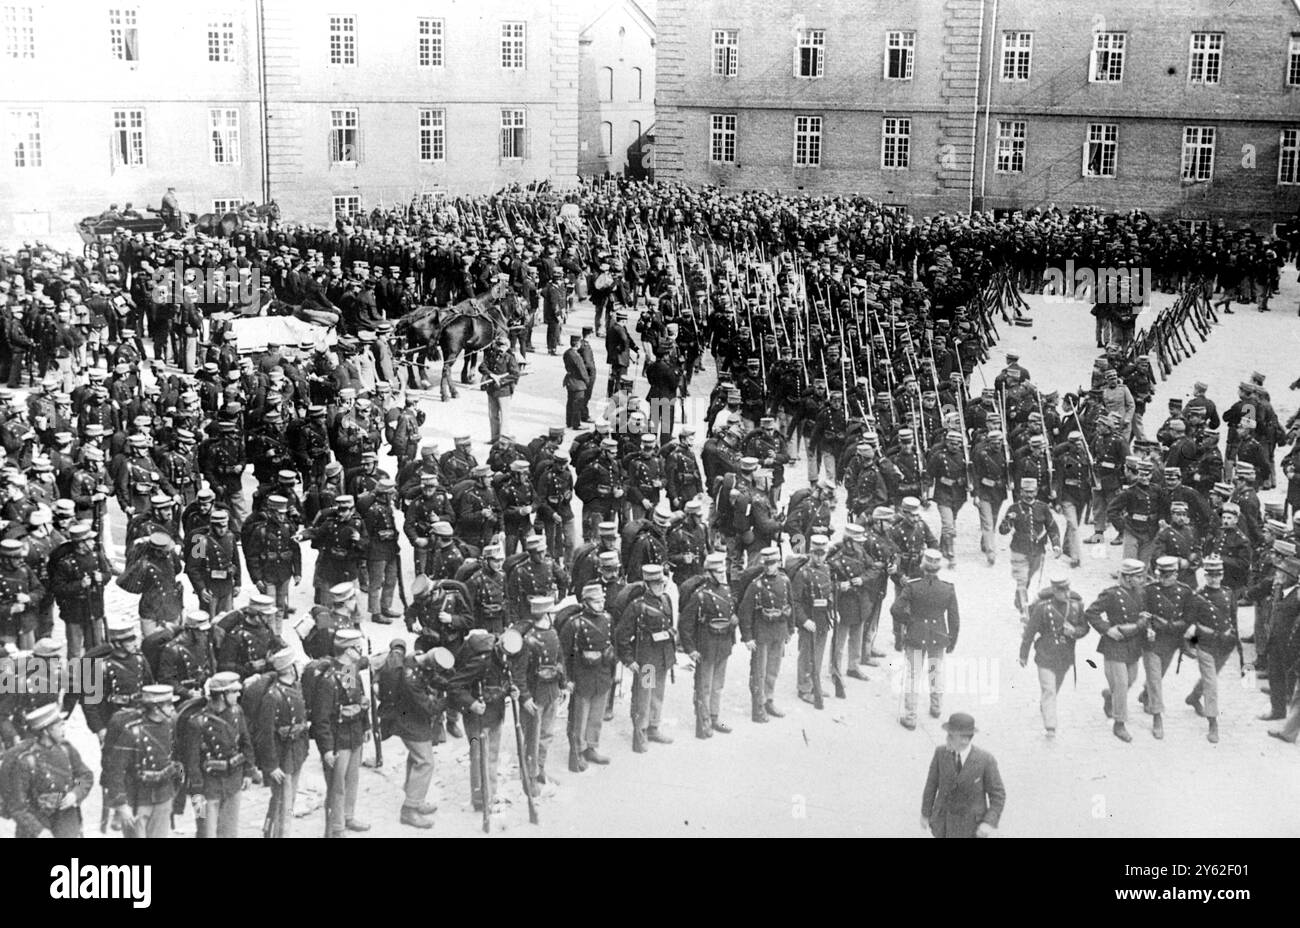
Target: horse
(224, 225)
(468, 328)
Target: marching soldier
(337, 710)
(1056, 621)
(219, 757)
(212, 564)
(926, 623)
(50, 781)
(273, 553)
(140, 776)
(1075, 480)
(707, 628)
(766, 620)
(280, 744)
(1178, 540)
(383, 556)
(854, 574)
(1119, 616)
(541, 682)
(946, 468)
(645, 644)
(188, 659)
(1033, 530)
(586, 641)
(812, 600)
(1169, 607)
(1212, 631)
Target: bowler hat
(959, 723)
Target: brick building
(1189, 109)
(319, 108)
(616, 84)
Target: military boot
(576, 762)
(772, 710)
(1213, 735)
(702, 729)
(1157, 726)
(759, 712)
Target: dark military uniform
(926, 624)
(212, 564)
(219, 759)
(487, 590)
(1170, 609)
(587, 646)
(139, 772)
(812, 598)
(766, 617)
(644, 637)
(45, 774)
(280, 743)
(542, 680)
(339, 722)
(1053, 628)
(185, 664)
(1118, 607)
(707, 627)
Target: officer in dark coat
(586, 643)
(1119, 617)
(140, 775)
(219, 760)
(926, 625)
(50, 781)
(339, 722)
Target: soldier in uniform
(812, 601)
(535, 575)
(1108, 461)
(1232, 546)
(310, 444)
(20, 594)
(855, 575)
(585, 565)
(78, 573)
(458, 463)
(644, 640)
(555, 506)
(707, 629)
(219, 757)
(273, 553)
(279, 734)
(926, 624)
(912, 537)
(1169, 606)
(1033, 531)
(212, 564)
(222, 461)
(140, 775)
(645, 481)
(340, 538)
(1134, 512)
(1075, 480)
(946, 468)
(515, 495)
(487, 591)
(766, 620)
(1179, 540)
(1212, 631)
(249, 644)
(339, 720)
(1118, 615)
(383, 556)
(540, 678)
(478, 687)
(600, 487)
(1055, 623)
(478, 513)
(681, 470)
(50, 782)
(154, 576)
(586, 642)
(902, 470)
(188, 659)
(177, 466)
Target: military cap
(1058, 574)
(197, 618)
(225, 681)
(283, 659)
(345, 499)
(590, 590)
(219, 516)
(535, 543)
(748, 463)
(160, 540)
(157, 694)
(1231, 509)
(45, 647)
(1213, 564)
(80, 531)
(1222, 487)
(539, 604)
(652, 572)
(494, 552)
(931, 558)
(1166, 563)
(1177, 506)
(120, 628)
(43, 717)
(345, 638)
(1131, 566)
(770, 554)
(341, 592)
(607, 559)
(442, 529)
(718, 561)
(607, 528)
(819, 543)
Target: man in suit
(576, 379)
(964, 795)
(1281, 650)
(589, 360)
(618, 351)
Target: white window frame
(1017, 50)
(124, 34)
(808, 134)
(343, 121)
(23, 140)
(606, 139)
(722, 138)
(1205, 58)
(514, 45)
(813, 40)
(19, 26)
(432, 125)
(351, 203)
(638, 85)
(429, 41)
(1288, 157)
(605, 85)
(1012, 138)
(1195, 226)
(1293, 62)
(224, 205)
(726, 52)
(129, 139)
(896, 143)
(342, 40)
(221, 41)
(512, 139)
(1197, 165)
(223, 135)
(1106, 63)
(900, 46)
(1105, 135)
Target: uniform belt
(223, 765)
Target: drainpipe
(264, 118)
(988, 93)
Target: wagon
(96, 233)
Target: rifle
(1051, 475)
(401, 583)
(476, 746)
(271, 824)
(524, 774)
(374, 709)
(818, 699)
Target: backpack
(565, 616)
(468, 568)
(10, 763)
(152, 647)
(459, 490)
(252, 697)
(631, 532)
(311, 676)
(686, 592)
(388, 683)
(625, 596)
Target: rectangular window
(1206, 58)
(221, 41)
(1293, 62)
(722, 138)
(224, 126)
(343, 40)
(1107, 58)
(726, 49)
(514, 133)
(128, 137)
(123, 35)
(25, 138)
(512, 46)
(1017, 49)
(1288, 158)
(433, 139)
(19, 25)
(1101, 150)
(347, 206)
(896, 142)
(430, 42)
(807, 141)
(226, 205)
(810, 53)
(1198, 153)
(900, 51)
(1011, 146)
(345, 136)
(1195, 226)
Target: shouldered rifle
(525, 775)
(374, 707)
(478, 758)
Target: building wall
(75, 85)
(953, 141)
(621, 39)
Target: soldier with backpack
(855, 575)
(555, 504)
(600, 487)
(43, 780)
(478, 511)
(340, 538)
(411, 700)
(707, 628)
(338, 711)
(141, 775)
(125, 675)
(218, 757)
(276, 712)
(812, 600)
(153, 575)
(249, 639)
(586, 643)
(542, 684)
(186, 659)
(646, 541)
(645, 642)
(272, 552)
(478, 687)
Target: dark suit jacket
(618, 347)
(576, 375)
(956, 804)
